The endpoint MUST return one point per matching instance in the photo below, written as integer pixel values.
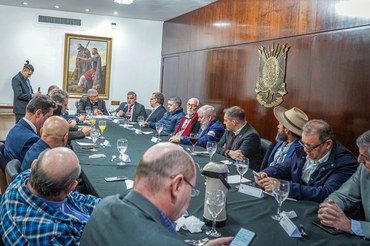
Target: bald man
(40, 207)
(164, 184)
(54, 134)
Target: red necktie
(130, 109)
(232, 141)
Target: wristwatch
(227, 153)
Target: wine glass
(193, 139)
(159, 128)
(215, 201)
(94, 136)
(92, 120)
(88, 112)
(94, 110)
(242, 167)
(280, 189)
(140, 120)
(211, 149)
(102, 125)
(122, 147)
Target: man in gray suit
(240, 140)
(356, 190)
(131, 109)
(23, 91)
(164, 184)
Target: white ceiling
(159, 10)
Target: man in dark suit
(131, 109)
(23, 91)
(164, 184)
(24, 134)
(240, 140)
(156, 101)
(94, 102)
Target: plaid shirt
(26, 219)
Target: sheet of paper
(129, 183)
(235, 179)
(84, 144)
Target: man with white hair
(94, 102)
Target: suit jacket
(139, 110)
(288, 155)
(157, 114)
(19, 140)
(22, 94)
(248, 141)
(33, 153)
(131, 220)
(328, 177)
(85, 102)
(356, 190)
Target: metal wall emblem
(270, 87)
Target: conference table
(243, 210)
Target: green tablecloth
(243, 211)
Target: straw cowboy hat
(293, 119)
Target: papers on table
(129, 183)
(84, 144)
(235, 179)
(201, 153)
(97, 156)
(227, 162)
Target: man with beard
(189, 124)
(289, 133)
(83, 63)
(211, 129)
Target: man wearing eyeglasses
(353, 192)
(320, 165)
(164, 184)
(94, 102)
(188, 124)
(156, 102)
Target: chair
(3, 163)
(266, 148)
(12, 169)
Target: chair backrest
(266, 148)
(12, 169)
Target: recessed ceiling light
(115, 13)
(87, 10)
(56, 6)
(25, 3)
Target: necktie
(232, 141)
(150, 115)
(129, 109)
(29, 86)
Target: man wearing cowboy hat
(289, 133)
(318, 167)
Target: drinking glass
(242, 167)
(122, 145)
(102, 125)
(94, 110)
(280, 189)
(211, 149)
(92, 120)
(140, 120)
(94, 136)
(215, 201)
(159, 128)
(88, 112)
(193, 139)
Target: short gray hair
(176, 100)
(320, 127)
(235, 113)
(364, 140)
(92, 91)
(207, 110)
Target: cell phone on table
(114, 179)
(38, 89)
(328, 229)
(256, 174)
(243, 237)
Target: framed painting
(87, 63)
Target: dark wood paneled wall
(327, 65)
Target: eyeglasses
(194, 192)
(191, 105)
(310, 149)
(152, 98)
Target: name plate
(249, 190)
(155, 140)
(106, 143)
(125, 158)
(137, 131)
(289, 227)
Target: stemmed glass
(122, 145)
(159, 128)
(140, 120)
(215, 201)
(102, 125)
(88, 112)
(280, 189)
(211, 149)
(242, 167)
(94, 136)
(193, 139)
